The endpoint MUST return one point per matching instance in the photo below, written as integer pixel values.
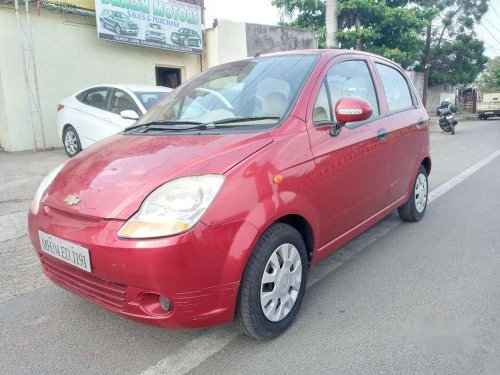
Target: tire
(452, 129)
(71, 141)
(411, 211)
(118, 30)
(253, 294)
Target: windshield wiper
(242, 119)
(163, 124)
(160, 125)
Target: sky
(261, 11)
(489, 29)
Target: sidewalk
(20, 175)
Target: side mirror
(129, 115)
(350, 109)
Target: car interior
(122, 102)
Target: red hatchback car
(216, 203)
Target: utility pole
(331, 23)
(25, 36)
(427, 53)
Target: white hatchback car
(103, 110)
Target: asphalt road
(400, 299)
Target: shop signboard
(166, 24)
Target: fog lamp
(165, 303)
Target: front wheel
(452, 129)
(414, 208)
(273, 283)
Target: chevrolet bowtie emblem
(71, 200)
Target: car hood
(112, 178)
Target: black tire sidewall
(78, 144)
(262, 327)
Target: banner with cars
(166, 24)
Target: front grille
(102, 292)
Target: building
(70, 57)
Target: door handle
(382, 134)
(422, 122)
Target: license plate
(66, 251)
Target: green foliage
(396, 29)
(489, 80)
(457, 62)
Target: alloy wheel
(420, 193)
(280, 284)
(71, 142)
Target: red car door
(407, 122)
(352, 169)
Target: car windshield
(149, 99)
(258, 91)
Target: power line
(491, 24)
(494, 10)
(489, 32)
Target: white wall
(224, 43)
(69, 58)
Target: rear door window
(396, 88)
(96, 97)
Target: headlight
(173, 208)
(47, 180)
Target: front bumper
(133, 31)
(156, 38)
(199, 271)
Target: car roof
(136, 87)
(328, 53)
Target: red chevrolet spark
(214, 206)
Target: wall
(418, 81)
(69, 58)
(435, 94)
(225, 42)
(261, 39)
(228, 41)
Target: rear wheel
(71, 141)
(414, 209)
(273, 283)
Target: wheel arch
(303, 227)
(426, 162)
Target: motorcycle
(447, 120)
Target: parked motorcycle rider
(447, 120)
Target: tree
(457, 62)
(456, 55)
(387, 27)
(396, 29)
(489, 79)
